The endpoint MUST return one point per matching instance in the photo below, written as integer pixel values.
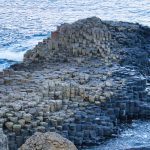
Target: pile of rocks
(81, 83)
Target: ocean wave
(4, 63)
(10, 55)
(16, 51)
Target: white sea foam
(10, 55)
(137, 135)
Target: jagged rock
(47, 141)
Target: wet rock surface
(81, 83)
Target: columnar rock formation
(3, 141)
(81, 82)
(121, 42)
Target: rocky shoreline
(81, 82)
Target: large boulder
(47, 141)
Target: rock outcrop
(120, 42)
(81, 83)
(47, 141)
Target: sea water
(23, 23)
(135, 135)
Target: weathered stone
(40, 129)
(17, 107)
(13, 119)
(32, 111)
(21, 122)
(16, 128)
(47, 141)
(27, 117)
(9, 125)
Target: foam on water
(135, 136)
(10, 55)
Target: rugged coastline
(81, 83)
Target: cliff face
(81, 82)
